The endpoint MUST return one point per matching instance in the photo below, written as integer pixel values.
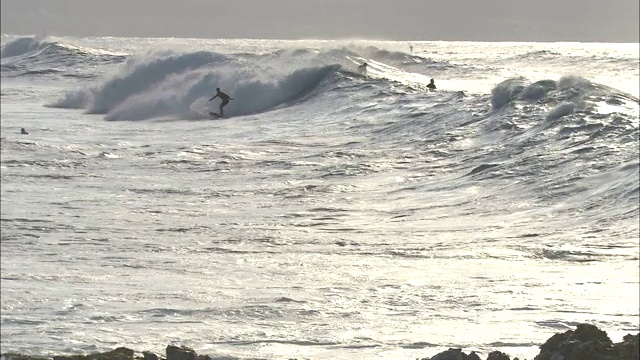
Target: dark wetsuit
(225, 100)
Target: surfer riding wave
(225, 99)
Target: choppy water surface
(332, 215)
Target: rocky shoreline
(586, 342)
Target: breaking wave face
(42, 56)
(174, 85)
(21, 46)
(42, 48)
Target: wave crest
(168, 84)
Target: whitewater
(331, 214)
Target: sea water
(331, 214)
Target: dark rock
(149, 355)
(120, 353)
(454, 354)
(497, 355)
(590, 350)
(180, 353)
(554, 342)
(587, 342)
(451, 354)
(587, 332)
(629, 348)
(473, 356)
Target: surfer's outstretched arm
(215, 96)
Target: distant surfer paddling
(225, 100)
(432, 85)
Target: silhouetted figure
(362, 69)
(431, 85)
(411, 48)
(225, 99)
(23, 132)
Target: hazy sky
(482, 20)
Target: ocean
(330, 214)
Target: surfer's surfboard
(214, 115)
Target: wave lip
(20, 47)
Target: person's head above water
(432, 81)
